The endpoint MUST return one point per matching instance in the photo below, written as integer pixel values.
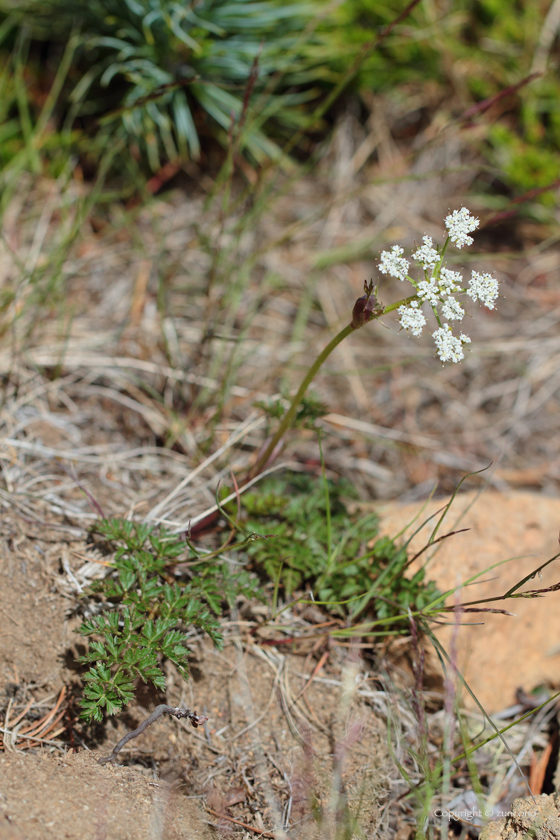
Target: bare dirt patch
(294, 729)
(34, 629)
(71, 796)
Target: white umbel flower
(428, 291)
(426, 255)
(449, 347)
(449, 281)
(412, 319)
(459, 224)
(452, 309)
(393, 263)
(483, 287)
(440, 287)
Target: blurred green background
(149, 82)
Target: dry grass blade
(248, 426)
(17, 736)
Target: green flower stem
(396, 305)
(289, 417)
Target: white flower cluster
(412, 318)
(449, 347)
(393, 263)
(427, 254)
(459, 224)
(439, 286)
(483, 287)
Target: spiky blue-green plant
(181, 71)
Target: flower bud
(366, 307)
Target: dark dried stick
(195, 719)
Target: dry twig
(162, 709)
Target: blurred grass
(462, 54)
(167, 85)
(64, 129)
(35, 156)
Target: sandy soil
(34, 628)
(71, 796)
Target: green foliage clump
(381, 572)
(164, 73)
(318, 545)
(410, 55)
(146, 613)
(310, 409)
(526, 165)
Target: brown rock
(538, 819)
(497, 653)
